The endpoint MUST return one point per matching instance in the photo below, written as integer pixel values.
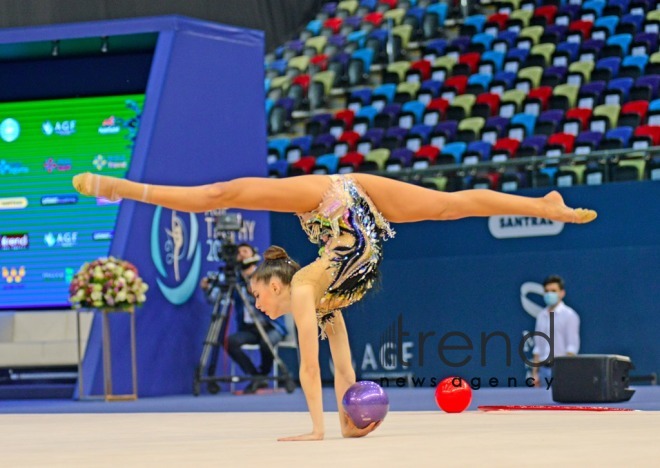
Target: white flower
(129, 275)
(96, 296)
(121, 296)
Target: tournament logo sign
(177, 255)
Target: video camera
(225, 227)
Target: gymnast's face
(273, 297)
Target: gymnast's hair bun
(274, 252)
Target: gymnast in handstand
(348, 216)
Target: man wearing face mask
(246, 330)
(565, 333)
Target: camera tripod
(212, 343)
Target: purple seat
(590, 49)
(446, 131)
(303, 142)
(532, 146)
(329, 8)
(553, 76)
(555, 33)
(645, 88)
(566, 14)
(296, 46)
(589, 94)
(318, 124)
(371, 139)
(338, 40)
(586, 142)
(396, 132)
(548, 122)
(325, 139)
(431, 85)
(387, 116)
(494, 129)
(403, 155)
(353, 21)
(647, 41)
(460, 45)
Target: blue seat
(358, 37)
(515, 59)
(525, 121)
(607, 23)
(504, 41)
(455, 149)
(278, 145)
(567, 50)
(387, 90)
(620, 134)
(620, 41)
(480, 148)
(619, 87)
(480, 80)
(654, 106)
(279, 66)
(369, 4)
(367, 112)
(608, 67)
(269, 106)
(502, 81)
(485, 40)
(596, 6)
(303, 142)
(491, 62)
(314, 27)
(329, 162)
(362, 95)
(422, 130)
(476, 21)
(435, 48)
(632, 23)
(278, 168)
(637, 61)
(366, 55)
(415, 108)
(439, 9)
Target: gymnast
(348, 216)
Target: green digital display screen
(47, 230)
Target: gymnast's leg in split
(399, 202)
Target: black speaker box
(591, 378)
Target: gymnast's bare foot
(558, 211)
(95, 185)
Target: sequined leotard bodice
(349, 230)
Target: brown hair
(276, 263)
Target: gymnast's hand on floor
(349, 429)
(303, 437)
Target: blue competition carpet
(401, 399)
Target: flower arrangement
(107, 283)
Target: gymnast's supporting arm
(344, 374)
(304, 313)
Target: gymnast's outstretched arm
(399, 202)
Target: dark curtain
(280, 19)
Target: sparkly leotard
(349, 230)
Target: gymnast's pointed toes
(584, 215)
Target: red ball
(453, 395)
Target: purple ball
(365, 402)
